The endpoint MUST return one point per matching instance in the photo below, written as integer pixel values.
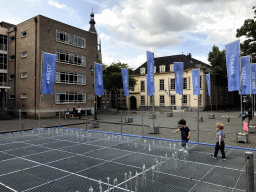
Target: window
(70, 97)
(162, 68)
(172, 84)
(161, 85)
(189, 82)
(23, 75)
(24, 54)
(3, 42)
(173, 100)
(70, 39)
(142, 100)
(171, 67)
(161, 100)
(24, 34)
(3, 79)
(70, 78)
(132, 89)
(11, 58)
(151, 100)
(142, 71)
(11, 77)
(200, 81)
(142, 86)
(23, 96)
(11, 96)
(184, 100)
(184, 83)
(199, 100)
(67, 38)
(12, 38)
(3, 61)
(70, 58)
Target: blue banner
(208, 81)
(196, 81)
(150, 71)
(253, 78)
(169, 89)
(178, 71)
(148, 86)
(49, 64)
(98, 79)
(232, 62)
(125, 78)
(246, 75)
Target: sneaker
(182, 149)
(186, 151)
(224, 159)
(213, 157)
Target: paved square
(64, 159)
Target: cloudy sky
(128, 28)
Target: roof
(187, 60)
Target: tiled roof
(186, 59)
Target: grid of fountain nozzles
(62, 159)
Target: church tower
(92, 23)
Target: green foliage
(112, 76)
(217, 59)
(248, 47)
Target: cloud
(57, 5)
(69, 10)
(158, 24)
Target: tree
(217, 59)
(248, 47)
(112, 77)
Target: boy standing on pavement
(220, 144)
(185, 134)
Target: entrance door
(133, 102)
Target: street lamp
(93, 73)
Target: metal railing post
(86, 120)
(19, 117)
(142, 123)
(121, 122)
(249, 171)
(59, 118)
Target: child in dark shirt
(185, 134)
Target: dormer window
(171, 67)
(162, 68)
(142, 71)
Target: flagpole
(198, 119)
(240, 84)
(153, 114)
(40, 85)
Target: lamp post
(93, 73)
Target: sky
(129, 28)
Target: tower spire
(92, 23)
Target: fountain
(100, 187)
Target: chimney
(189, 56)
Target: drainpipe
(15, 80)
(35, 20)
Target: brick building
(76, 52)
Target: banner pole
(198, 119)
(153, 116)
(40, 85)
